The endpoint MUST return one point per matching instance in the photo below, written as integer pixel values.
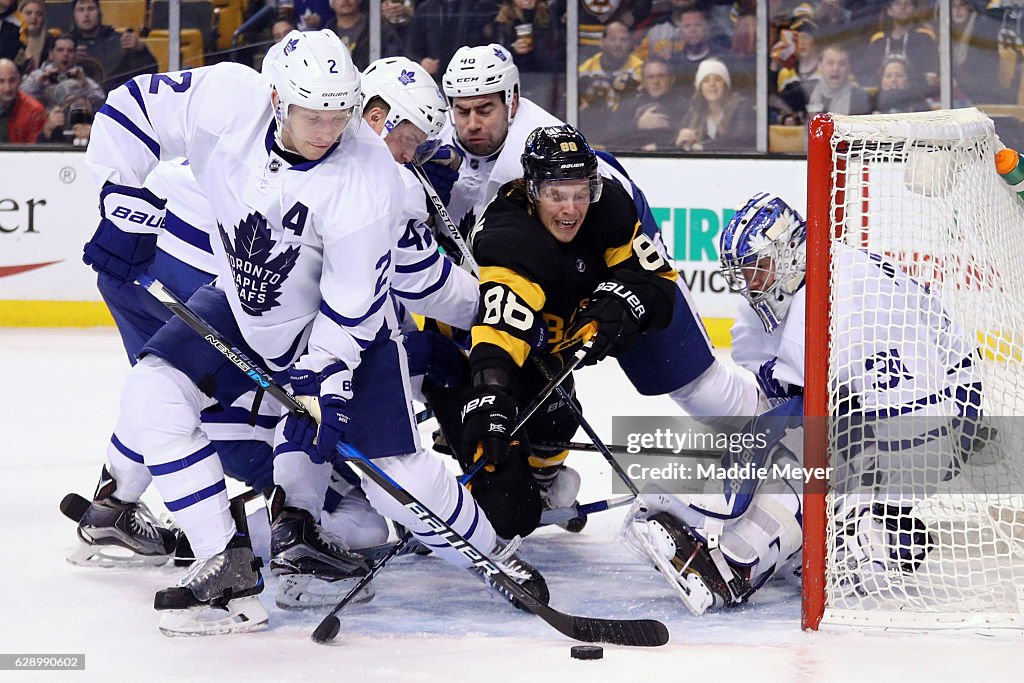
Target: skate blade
(303, 591)
(113, 557)
(241, 615)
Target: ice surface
(429, 622)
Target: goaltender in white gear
(283, 161)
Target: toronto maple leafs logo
(407, 77)
(500, 54)
(258, 276)
(292, 44)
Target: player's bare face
(481, 123)
(310, 132)
(403, 141)
(760, 276)
(561, 207)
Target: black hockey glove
(487, 417)
(618, 313)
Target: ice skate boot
(314, 566)
(559, 486)
(521, 571)
(114, 533)
(218, 594)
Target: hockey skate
(314, 566)
(521, 571)
(559, 486)
(218, 594)
(114, 533)
(685, 561)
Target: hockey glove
(618, 313)
(438, 358)
(325, 395)
(443, 171)
(487, 417)
(124, 244)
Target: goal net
(915, 371)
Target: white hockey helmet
(313, 70)
(482, 70)
(412, 96)
(763, 252)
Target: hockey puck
(586, 652)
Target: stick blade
(74, 506)
(632, 632)
(327, 630)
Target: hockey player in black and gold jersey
(562, 259)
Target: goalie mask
(312, 70)
(764, 256)
(482, 70)
(412, 96)
(556, 153)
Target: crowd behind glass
(666, 76)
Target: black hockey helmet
(556, 153)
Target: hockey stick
(449, 225)
(330, 624)
(574, 511)
(638, 632)
(578, 414)
(625, 450)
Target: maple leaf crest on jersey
(257, 276)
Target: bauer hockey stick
(330, 624)
(617, 449)
(449, 224)
(635, 632)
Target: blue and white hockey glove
(443, 171)
(325, 395)
(124, 244)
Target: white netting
(926, 368)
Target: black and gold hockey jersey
(531, 282)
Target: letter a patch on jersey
(257, 276)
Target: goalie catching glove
(618, 312)
(325, 396)
(124, 244)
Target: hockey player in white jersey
(929, 374)
(300, 192)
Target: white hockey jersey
(303, 244)
(189, 224)
(896, 349)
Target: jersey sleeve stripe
(130, 126)
(353, 322)
(446, 270)
(178, 465)
(529, 292)
(419, 265)
(133, 88)
(515, 347)
(616, 255)
(187, 233)
(125, 451)
(197, 497)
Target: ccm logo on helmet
(477, 403)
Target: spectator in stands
(836, 92)
(698, 45)
(10, 29)
(310, 15)
(60, 76)
(905, 32)
(830, 21)
(36, 39)
(655, 114)
(793, 73)
(595, 16)
(22, 117)
(396, 18)
(976, 55)
(662, 40)
(533, 35)
(281, 27)
(69, 123)
(440, 27)
(895, 96)
(605, 81)
(353, 27)
(719, 119)
(122, 55)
